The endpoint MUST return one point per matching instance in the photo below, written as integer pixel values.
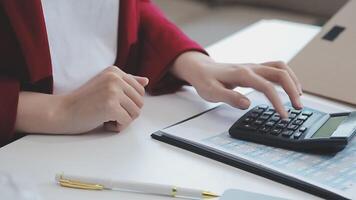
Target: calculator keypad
(264, 120)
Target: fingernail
(146, 81)
(244, 103)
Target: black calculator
(305, 130)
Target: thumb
(232, 98)
(142, 80)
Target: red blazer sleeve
(11, 76)
(162, 42)
(9, 92)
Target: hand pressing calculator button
(304, 130)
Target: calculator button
(292, 116)
(287, 133)
(272, 110)
(258, 122)
(276, 131)
(298, 122)
(254, 115)
(285, 121)
(249, 127)
(258, 111)
(281, 125)
(292, 127)
(303, 117)
(264, 129)
(303, 129)
(296, 112)
(264, 107)
(275, 119)
(268, 113)
(248, 120)
(264, 117)
(270, 123)
(297, 135)
(307, 113)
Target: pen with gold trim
(90, 183)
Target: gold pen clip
(79, 185)
(209, 195)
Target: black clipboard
(244, 164)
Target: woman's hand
(214, 81)
(112, 97)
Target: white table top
(133, 155)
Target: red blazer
(147, 44)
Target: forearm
(39, 113)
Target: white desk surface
(133, 155)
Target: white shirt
(82, 38)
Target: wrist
(190, 66)
(56, 115)
(62, 114)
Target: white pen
(90, 183)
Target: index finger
(282, 65)
(136, 85)
(266, 87)
(282, 77)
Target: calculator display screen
(329, 127)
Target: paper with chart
(336, 173)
